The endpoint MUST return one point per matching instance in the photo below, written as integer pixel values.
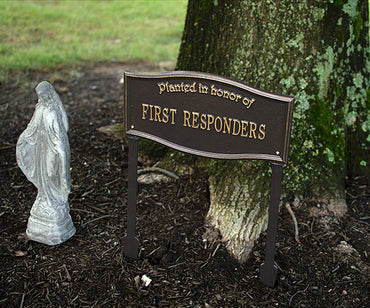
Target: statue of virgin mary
(43, 155)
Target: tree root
(158, 170)
(296, 233)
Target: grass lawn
(36, 34)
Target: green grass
(45, 34)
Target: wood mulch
(328, 268)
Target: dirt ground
(328, 268)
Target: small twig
(154, 250)
(84, 211)
(73, 300)
(159, 170)
(93, 220)
(211, 254)
(175, 265)
(94, 207)
(47, 296)
(22, 302)
(114, 181)
(214, 252)
(296, 233)
(23, 295)
(102, 255)
(7, 147)
(250, 296)
(68, 275)
(291, 299)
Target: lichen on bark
(316, 51)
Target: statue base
(51, 228)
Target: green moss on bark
(317, 52)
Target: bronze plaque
(208, 115)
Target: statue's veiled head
(46, 93)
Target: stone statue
(43, 155)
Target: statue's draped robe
(43, 154)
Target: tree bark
(316, 51)
(238, 208)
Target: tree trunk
(316, 51)
(239, 207)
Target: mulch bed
(328, 268)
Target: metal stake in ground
(268, 270)
(130, 242)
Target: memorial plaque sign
(210, 116)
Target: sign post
(209, 116)
(130, 242)
(268, 271)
